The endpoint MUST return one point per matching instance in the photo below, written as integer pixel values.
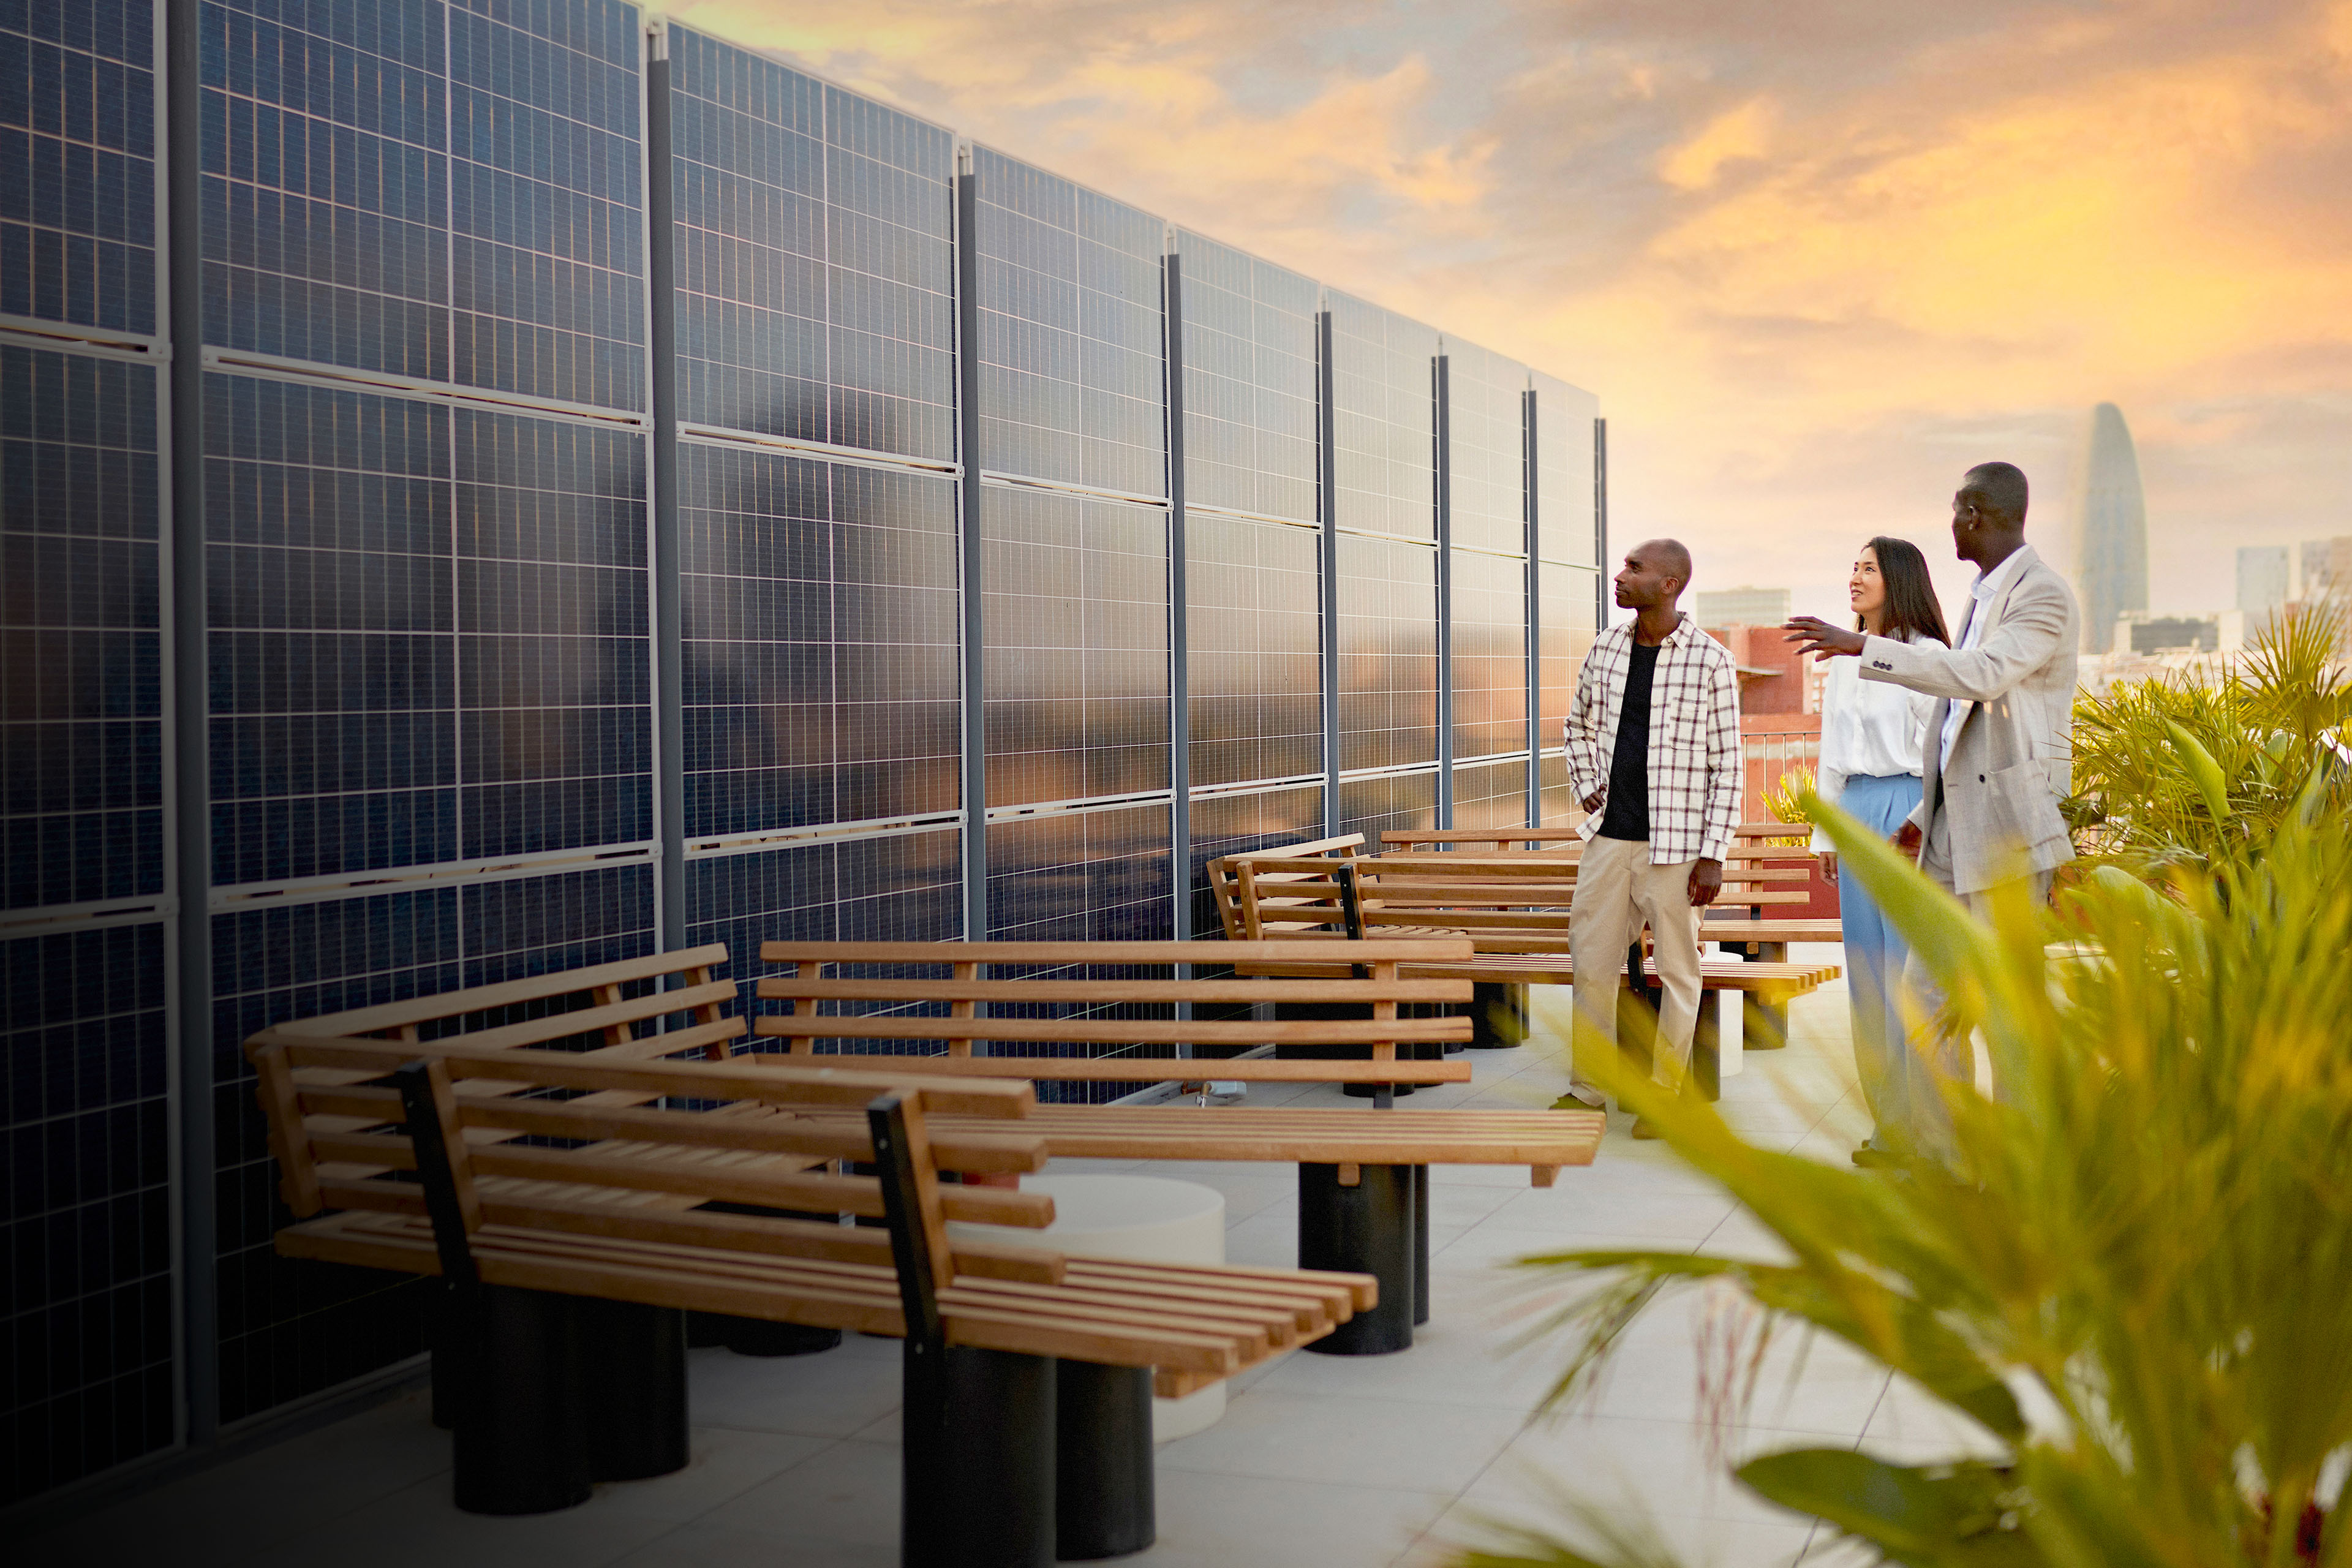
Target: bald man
(1653, 755)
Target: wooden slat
(768, 1080)
(1092, 992)
(1116, 1031)
(506, 994)
(1048, 953)
(1155, 1070)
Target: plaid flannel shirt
(1696, 767)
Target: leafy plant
(1789, 801)
(2133, 1271)
(2172, 772)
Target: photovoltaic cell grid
(1490, 656)
(1233, 824)
(1564, 481)
(88, 1228)
(82, 770)
(1565, 630)
(1372, 806)
(1384, 420)
(1553, 791)
(449, 192)
(821, 678)
(1249, 382)
(816, 259)
(1491, 795)
(1076, 661)
(429, 636)
(78, 163)
(1071, 372)
(896, 887)
(1083, 876)
(290, 1328)
(1486, 487)
(1388, 653)
(1254, 654)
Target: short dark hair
(1912, 611)
(2004, 490)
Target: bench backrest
(653, 1142)
(961, 1004)
(1233, 883)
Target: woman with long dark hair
(1871, 733)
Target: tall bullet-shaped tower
(2111, 537)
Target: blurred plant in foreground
(2169, 772)
(1788, 801)
(2137, 1274)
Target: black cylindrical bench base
(521, 1436)
(1498, 1015)
(1367, 1228)
(1420, 1245)
(977, 1481)
(1102, 1461)
(633, 1361)
(758, 1336)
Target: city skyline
(1815, 285)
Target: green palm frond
(2135, 1270)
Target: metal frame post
(970, 546)
(1180, 676)
(669, 608)
(1327, 476)
(1442, 403)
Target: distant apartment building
(2326, 567)
(1743, 607)
(2263, 579)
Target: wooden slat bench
(1362, 1173)
(984, 1326)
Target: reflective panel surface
(81, 758)
(1071, 374)
(1383, 419)
(1249, 382)
(1490, 656)
(815, 261)
(1487, 490)
(1566, 502)
(1253, 650)
(1388, 653)
(1077, 667)
(822, 676)
(78, 163)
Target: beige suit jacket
(2012, 759)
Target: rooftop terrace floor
(1320, 1462)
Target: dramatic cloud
(1815, 257)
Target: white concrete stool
(1148, 1219)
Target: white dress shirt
(1869, 730)
(1989, 587)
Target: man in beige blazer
(1999, 751)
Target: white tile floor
(1349, 1462)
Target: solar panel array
(440, 482)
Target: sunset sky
(1815, 256)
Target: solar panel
(1255, 650)
(1491, 795)
(1375, 805)
(1384, 420)
(1077, 628)
(822, 674)
(1489, 624)
(1071, 374)
(1233, 824)
(82, 796)
(1487, 489)
(86, 1106)
(1564, 493)
(1249, 382)
(1387, 652)
(77, 199)
(815, 257)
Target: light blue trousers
(1883, 1059)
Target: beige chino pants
(1617, 890)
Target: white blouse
(1869, 729)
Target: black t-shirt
(1626, 812)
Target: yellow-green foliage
(2146, 1246)
(1788, 801)
(2168, 772)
